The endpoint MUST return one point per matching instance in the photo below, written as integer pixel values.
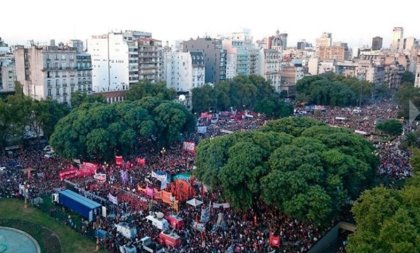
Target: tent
(194, 202)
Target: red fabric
(274, 241)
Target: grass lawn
(70, 241)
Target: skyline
(181, 20)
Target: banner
(113, 199)
(274, 241)
(87, 169)
(100, 177)
(150, 192)
(188, 146)
(218, 205)
(181, 176)
(205, 215)
(141, 161)
(161, 176)
(69, 172)
(119, 160)
(202, 129)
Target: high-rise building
(7, 69)
(115, 59)
(214, 57)
(53, 72)
(270, 67)
(184, 70)
(324, 41)
(377, 43)
(397, 35)
(338, 51)
(417, 75)
(237, 58)
(150, 54)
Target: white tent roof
(194, 202)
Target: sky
(354, 22)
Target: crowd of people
(227, 230)
(394, 158)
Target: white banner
(202, 129)
(218, 205)
(189, 146)
(160, 177)
(113, 199)
(101, 177)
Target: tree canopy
(336, 90)
(99, 131)
(405, 95)
(253, 93)
(78, 98)
(147, 89)
(22, 117)
(391, 127)
(303, 167)
(388, 220)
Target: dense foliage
(335, 90)
(408, 94)
(99, 131)
(78, 98)
(147, 89)
(391, 127)
(388, 220)
(22, 117)
(253, 93)
(303, 167)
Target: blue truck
(87, 208)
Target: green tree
(99, 131)
(405, 95)
(147, 89)
(391, 127)
(290, 164)
(242, 92)
(408, 77)
(78, 98)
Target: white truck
(147, 245)
(157, 220)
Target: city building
(346, 68)
(290, 74)
(7, 69)
(215, 57)
(313, 66)
(324, 41)
(302, 45)
(270, 67)
(397, 35)
(417, 74)
(150, 54)
(237, 58)
(377, 43)
(338, 51)
(52, 71)
(115, 59)
(184, 70)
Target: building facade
(53, 72)
(397, 35)
(377, 43)
(417, 73)
(184, 70)
(7, 69)
(215, 57)
(115, 60)
(270, 67)
(150, 63)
